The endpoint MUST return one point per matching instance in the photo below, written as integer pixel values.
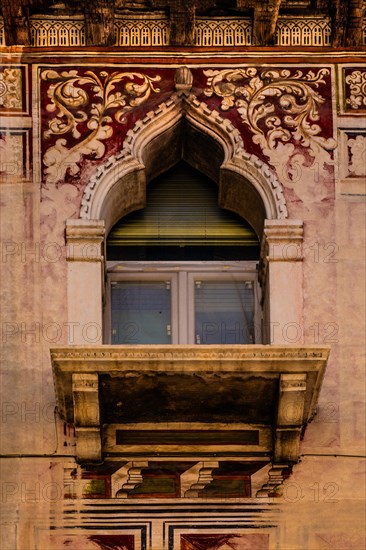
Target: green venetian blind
(182, 221)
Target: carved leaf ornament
(276, 106)
(357, 88)
(85, 107)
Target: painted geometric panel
(91, 542)
(225, 542)
(339, 541)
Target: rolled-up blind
(181, 211)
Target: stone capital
(85, 240)
(282, 241)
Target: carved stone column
(265, 21)
(182, 24)
(354, 28)
(99, 23)
(282, 255)
(16, 23)
(85, 256)
(85, 390)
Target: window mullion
(183, 308)
(191, 318)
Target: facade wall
(319, 160)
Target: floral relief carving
(11, 89)
(280, 109)
(85, 107)
(357, 90)
(11, 155)
(357, 149)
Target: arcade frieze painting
(86, 541)
(283, 115)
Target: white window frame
(182, 277)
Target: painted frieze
(283, 115)
(85, 105)
(284, 111)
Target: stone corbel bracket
(277, 475)
(197, 478)
(85, 389)
(127, 478)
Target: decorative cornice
(174, 355)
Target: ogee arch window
(182, 270)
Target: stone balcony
(186, 400)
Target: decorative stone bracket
(127, 478)
(86, 416)
(281, 383)
(197, 478)
(277, 475)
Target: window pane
(224, 312)
(141, 312)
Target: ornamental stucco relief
(356, 90)
(85, 107)
(357, 151)
(281, 110)
(11, 88)
(281, 114)
(11, 154)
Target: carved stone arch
(184, 128)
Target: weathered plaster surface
(322, 503)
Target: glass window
(141, 312)
(224, 312)
(197, 303)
